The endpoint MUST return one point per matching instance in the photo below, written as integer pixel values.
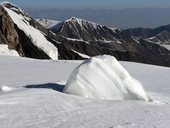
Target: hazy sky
(104, 4)
(113, 13)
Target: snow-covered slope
(38, 39)
(40, 105)
(102, 77)
(48, 23)
(4, 50)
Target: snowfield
(31, 97)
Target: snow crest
(102, 77)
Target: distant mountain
(161, 38)
(159, 35)
(73, 39)
(146, 32)
(91, 39)
(47, 23)
(85, 30)
(121, 18)
(138, 32)
(160, 29)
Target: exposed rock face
(79, 34)
(160, 35)
(15, 38)
(85, 30)
(8, 34)
(27, 48)
(138, 32)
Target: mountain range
(159, 35)
(80, 39)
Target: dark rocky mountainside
(138, 32)
(160, 35)
(85, 30)
(79, 35)
(162, 38)
(76, 39)
(146, 32)
(8, 33)
(16, 38)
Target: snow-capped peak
(88, 31)
(16, 9)
(82, 22)
(6, 2)
(12, 6)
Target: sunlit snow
(102, 77)
(38, 101)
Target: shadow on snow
(54, 86)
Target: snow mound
(5, 88)
(4, 50)
(102, 77)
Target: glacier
(103, 77)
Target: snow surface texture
(7, 52)
(102, 77)
(35, 35)
(43, 106)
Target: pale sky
(99, 4)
